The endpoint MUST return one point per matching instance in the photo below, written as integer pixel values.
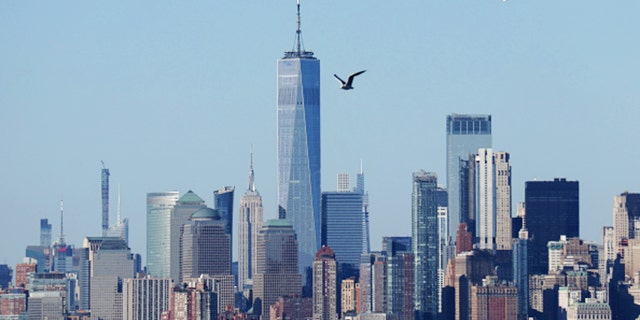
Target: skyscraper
(465, 135)
(325, 283)
(298, 105)
(399, 278)
(45, 233)
(503, 200)
(204, 246)
(121, 228)
(342, 217)
(159, 208)
(249, 224)
(110, 262)
(145, 298)
(185, 207)
(276, 266)
(486, 219)
(424, 238)
(223, 199)
(552, 211)
(626, 216)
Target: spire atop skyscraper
(252, 184)
(61, 236)
(298, 50)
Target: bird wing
(341, 81)
(353, 75)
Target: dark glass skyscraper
(298, 106)
(465, 135)
(424, 235)
(552, 210)
(223, 199)
(45, 234)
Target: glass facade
(298, 108)
(465, 135)
(342, 230)
(159, 208)
(424, 234)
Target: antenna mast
(61, 221)
(298, 30)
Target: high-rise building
(13, 305)
(298, 105)
(552, 211)
(45, 233)
(342, 217)
(276, 266)
(424, 235)
(359, 188)
(159, 208)
(486, 215)
(465, 135)
(399, 278)
(223, 199)
(145, 298)
(110, 262)
(520, 273)
(205, 246)
(373, 270)
(626, 216)
(503, 200)
(185, 207)
(105, 200)
(325, 284)
(251, 218)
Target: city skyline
(93, 82)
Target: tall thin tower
(105, 200)
(250, 222)
(298, 107)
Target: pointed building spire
(252, 184)
(61, 236)
(298, 32)
(298, 50)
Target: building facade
(185, 207)
(159, 208)
(502, 164)
(424, 235)
(298, 118)
(277, 265)
(552, 210)
(146, 298)
(465, 135)
(251, 218)
(205, 246)
(325, 285)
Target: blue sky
(171, 95)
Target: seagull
(347, 85)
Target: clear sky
(171, 95)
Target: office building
(6, 276)
(45, 233)
(159, 208)
(552, 210)
(520, 273)
(298, 108)
(251, 218)
(626, 217)
(325, 283)
(276, 266)
(205, 246)
(46, 305)
(342, 218)
(185, 207)
(424, 235)
(110, 262)
(223, 199)
(373, 270)
(145, 298)
(502, 164)
(465, 135)
(13, 305)
(399, 277)
(486, 215)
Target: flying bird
(347, 85)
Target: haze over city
(174, 96)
